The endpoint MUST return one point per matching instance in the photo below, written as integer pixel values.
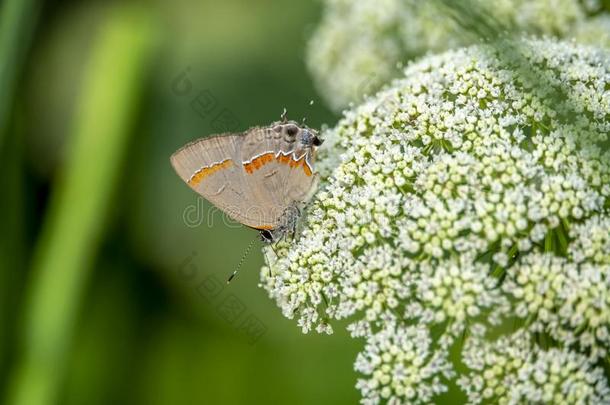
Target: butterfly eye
(292, 130)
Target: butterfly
(258, 177)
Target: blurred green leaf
(77, 212)
(12, 241)
(17, 22)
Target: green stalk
(73, 228)
(548, 241)
(12, 241)
(17, 22)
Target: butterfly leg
(295, 220)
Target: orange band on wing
(206, 171)
(258, 162)
(252, 165)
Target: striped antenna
(243, 257)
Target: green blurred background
(107, 295)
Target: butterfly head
(309, 138)
(304, 139)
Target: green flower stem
(75, 222)
(548, 242)
(12, 243)
(17, 22)
(562, 239)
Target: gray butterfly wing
(254, 177)
(259, 153)
(213, 168)
(281, 176)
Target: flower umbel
(359, 44)
(467, 203)
(401, 363)
(510, 371)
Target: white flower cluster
(591, 241)
(402, 364)
(472, 198)
(359, 44)
(568, 302)
(509, 371)
(593, 31)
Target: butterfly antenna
(243, 257)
